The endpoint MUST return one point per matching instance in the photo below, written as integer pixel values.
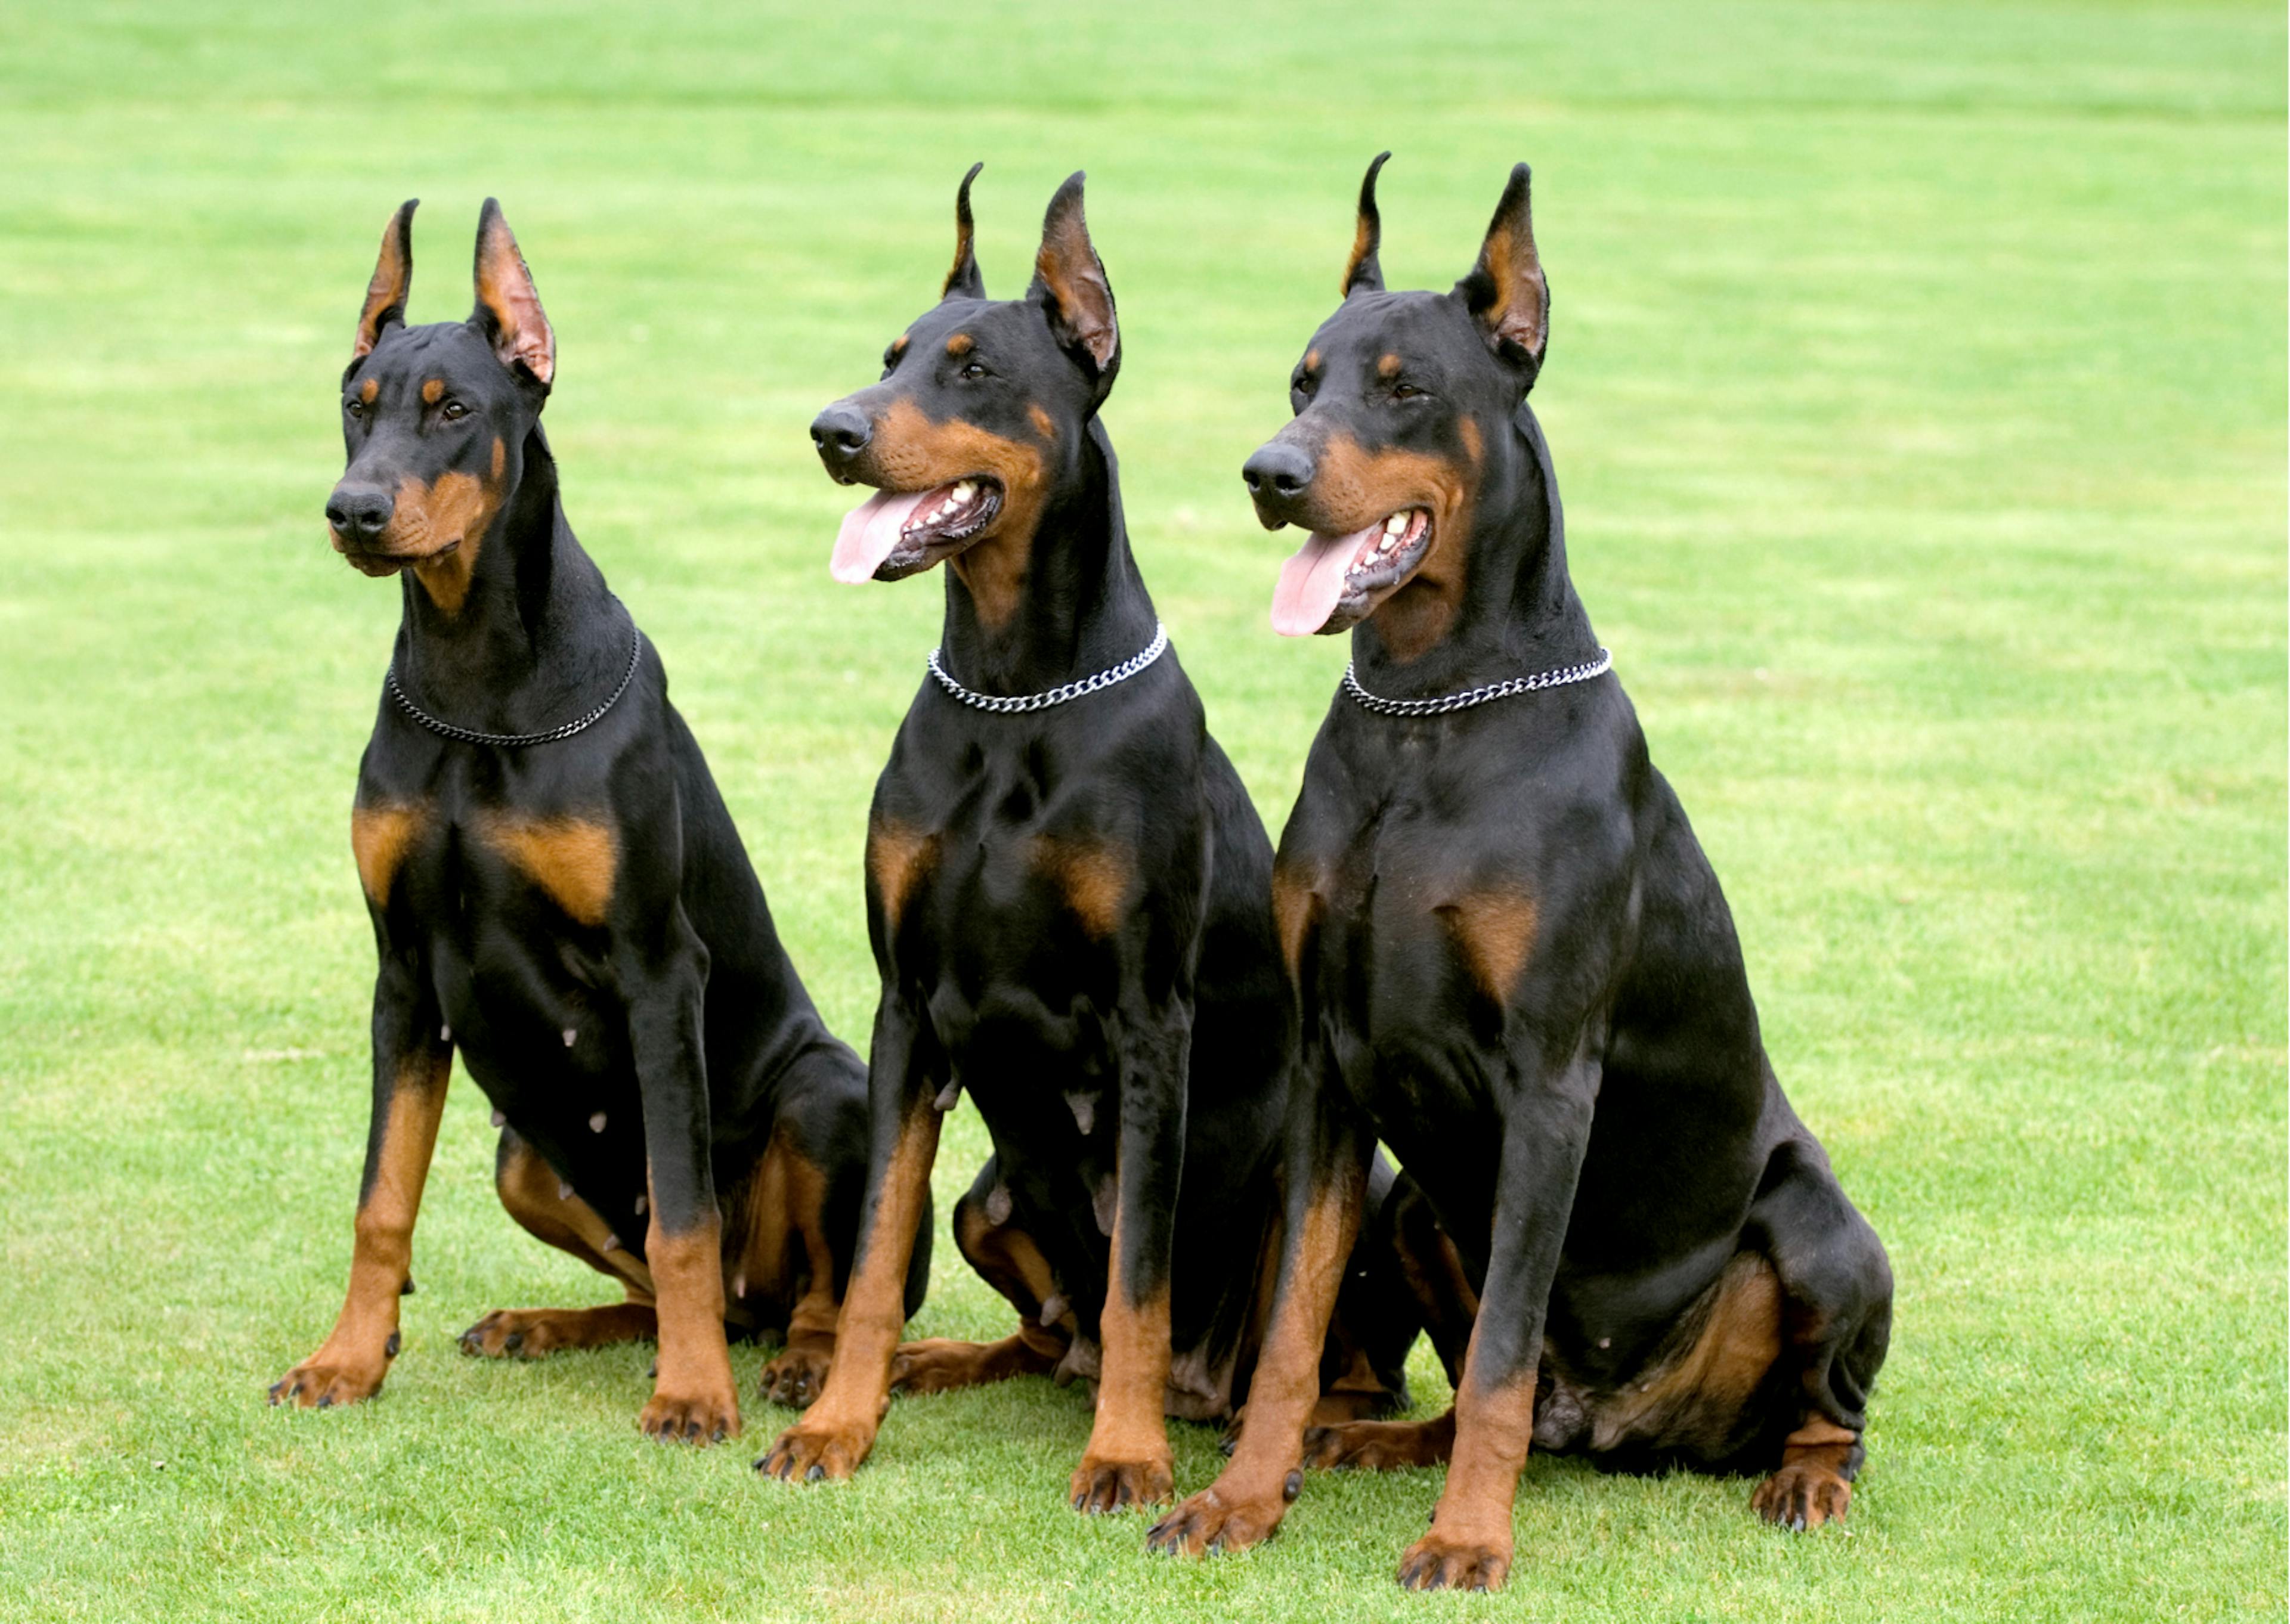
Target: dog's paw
(328, 1377)
(1103, 1483)
(1438, 1562)
(797, 1375)
(691, 1418)
(1803, 1494)
(815, 1450)
(1222, 1517)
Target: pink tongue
(869, 532)
(1312, 581)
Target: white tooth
(967, 489)
(1396, 525)
(1387, 543)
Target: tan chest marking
(574, 860)
(1093, 877)
(1496, 932)
(1295, 905)
(378, 838)
(898, 858)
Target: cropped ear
(393, 274)
(508, 311)
(1506, 290)
(1071, 284)
(1362, 273)
(964, 281)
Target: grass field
(1917, 387)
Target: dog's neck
(1073, 603)
(1518, 612)
(537, 632)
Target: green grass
(1917, 391)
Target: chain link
(518, 740)
(1470, 696)
(1011, 704)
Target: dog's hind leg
(1837, 1320)
(533, 1194)
(1006, 1258)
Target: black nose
(1277, 474)
(361, 512)
(840, 432)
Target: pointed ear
(964, 281)
(393, 274)
(508, 311)
(1362, 273)
(1506, 290)
(1070, 284)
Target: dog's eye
(356, 408)
(455, 412)
(1405, 391)
(971, 372)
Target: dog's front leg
(1127, 1462)
(412, 1061)
(838, 1430)
(694, 1397)
(1326, 1172)
(1546, 1132)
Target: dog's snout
(840, 432)
(362, 512)
(1278, 473)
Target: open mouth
(1333, 581)
(894, 533)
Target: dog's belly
(552, 1053)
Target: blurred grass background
(1917, 390)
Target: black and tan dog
(558, 893)
(1071, 910)
(1517, 968)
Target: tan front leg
(354, 1359)
(694, 1399)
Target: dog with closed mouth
(1517, 968)
(558, 895)
(1070, 898)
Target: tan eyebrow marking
(899, 345)
(960, 344)
(1388, 367)
(368, 390)
(433, 391)
(1312, 360)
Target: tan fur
(1354, 488)
(1496, 932)
(392, 271)
(960, 344)
(1698, 1393)
(1044, 425)
(897, 860)
(694, 1384)
(433, 391)
(1296, 904)
(356, 1357)
(1094, 877)
(367, 390)
(430, 518)
(574, 860)
(380, 836)
(1387, 367)
(910, 452)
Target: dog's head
(1403, 404)
(982, 403)
(435, 418)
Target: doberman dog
(1515, 968)
(558, 893)
(1068, 894)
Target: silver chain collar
(1007, 704)
(1470, 696)
(518, 741)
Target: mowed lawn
(1916, 388)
